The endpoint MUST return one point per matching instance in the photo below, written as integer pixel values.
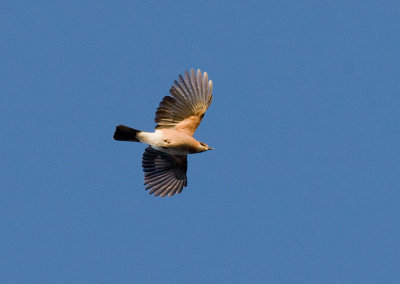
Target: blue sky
(303, 186)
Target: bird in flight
(177, 117)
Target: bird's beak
(209, 148)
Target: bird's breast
(174, 142)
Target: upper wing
(189, 99)
(164, 173)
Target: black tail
(125, 133)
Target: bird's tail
(125, 133)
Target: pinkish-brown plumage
(177, 117)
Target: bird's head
(204, 147)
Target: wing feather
(167, 188)
(164, 174)
(177, 187)
(184, 108)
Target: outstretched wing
(189, 99)
(164, 174)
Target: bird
(177, 117)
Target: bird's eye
(202, 144)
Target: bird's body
(178, 116)
(171, 141)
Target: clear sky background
(303, 186)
